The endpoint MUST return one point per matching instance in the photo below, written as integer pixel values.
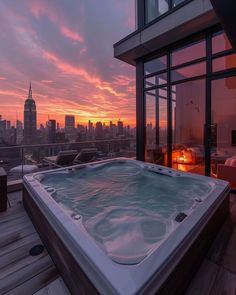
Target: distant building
(8, 124)
(69, 123)
(19, 132)
(30, 119)
(98, 131)
(120, 128)
(52, 131)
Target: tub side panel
(180, 278)
(76, 280)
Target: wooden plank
(36, 283)
(15, 235)
(18, 254)
(229, 259)
(15, 223)
(12, 210)
(56, 287)
(225, 283)
(23, 270)
(203, 281)
(19, 243)
(8, 218)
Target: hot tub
(125, 227)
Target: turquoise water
(127, 210)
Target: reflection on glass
(155, 65)
(223, 125)
(177, 2)
(188, 53)
(155, 8)
(188, 72)
(220, 42)
(156, 80)
(188, 115)
(224, 63)
(156, 126)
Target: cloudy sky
(66, 48)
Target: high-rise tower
(30, 119)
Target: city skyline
(68, 75)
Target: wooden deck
(23, 274)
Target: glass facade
(156, 8)
(185, 90)
(223, 121)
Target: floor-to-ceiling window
(190, 96)
(156, 110)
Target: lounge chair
(86, 155)
(64, 158)
(227, 171)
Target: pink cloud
(39, 9)
(47, 81)
(71, 35)
(83, 50)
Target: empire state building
(30, 119)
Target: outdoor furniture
(3, 190)
(24, 169)
(227, 171)
(86, 155)
(64, 158)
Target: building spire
(30, 92)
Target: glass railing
(20, 160)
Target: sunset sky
(66, 48)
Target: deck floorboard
(21, 273)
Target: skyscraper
(52, 131)
(69, 123)
(30, 119)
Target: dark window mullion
(207, 127)
(169, 113)
(189, 63)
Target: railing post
(3, 190)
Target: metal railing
(34, 155)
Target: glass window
(156, 126)
(223, 125)
(188, 72)
(224, 63)
(220, 42)
(155, 65)
(155, 8)
(156, 80)
(177, 2)
(188, 53)
(188, 115)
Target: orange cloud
(68, 68)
